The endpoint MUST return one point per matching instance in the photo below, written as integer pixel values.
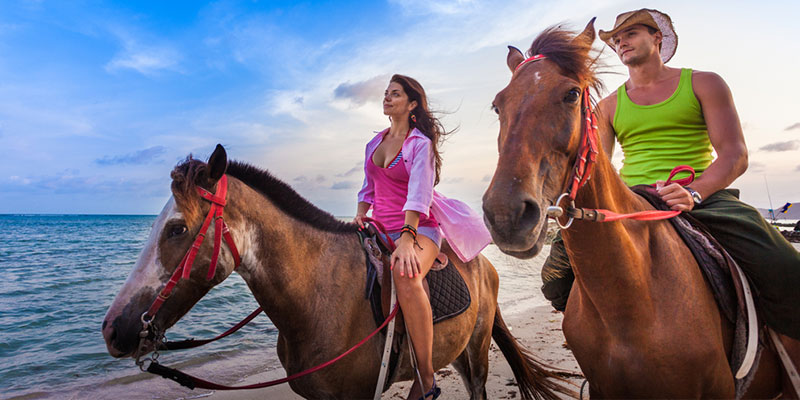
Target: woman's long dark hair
(422, 118)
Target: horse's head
(171, 236)
(540, 127)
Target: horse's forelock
(572, 56)
(184, 177)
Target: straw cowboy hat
(652, 18)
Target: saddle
(723, 277)
(448, 293)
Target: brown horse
(641, 320)
(307, 270)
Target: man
(664, 117)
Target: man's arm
(605, 127)
(725, 133)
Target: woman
(401, 167)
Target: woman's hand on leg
(405, 257)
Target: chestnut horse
(307, 270)
(640, 320)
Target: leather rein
(218, 201)
(584, 166)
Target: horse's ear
(514, 58)
(587, 36)
(217, 163)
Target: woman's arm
(404, 256)
(366, 196)
(421, 176)
(361, 212)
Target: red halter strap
(536, 57)
(220, 231)
(587, 150)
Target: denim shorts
(430, 232)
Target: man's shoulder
(705, 83)
(608, 105)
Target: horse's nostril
(105, 323)
(530, 213)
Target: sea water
(60, 273)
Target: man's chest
(656, 93)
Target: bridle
(584, 166)
(218, 201)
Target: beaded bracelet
(413, 231)
(410, 229)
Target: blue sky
(100, 99)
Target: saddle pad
(449, 293)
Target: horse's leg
(462, 366)
(475, 359)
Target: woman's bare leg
(417, 313)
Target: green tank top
(659, 137)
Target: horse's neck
(609, 256)
(301, 275)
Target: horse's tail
(535, 379)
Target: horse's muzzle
(514, 225)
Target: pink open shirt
(461, 226)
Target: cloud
(782, 146)
(147, 59)
(305, 179)
(344, 185)
(793, 126)
(136, 158)
(452, 180)
(359, 166)
(361, 92)
(755, 166)
(446, 7)
(797, 168)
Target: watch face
(696, 197)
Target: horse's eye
(495, 109)
(572, 96)
(176, 230)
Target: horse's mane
(279, 193)
(572, 56)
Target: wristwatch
(695, 196)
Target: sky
(100, 99)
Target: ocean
(61, 272)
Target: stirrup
(434, 393)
